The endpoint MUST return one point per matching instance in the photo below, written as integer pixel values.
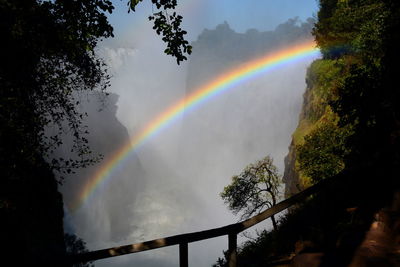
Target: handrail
(183, 239)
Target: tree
(46, 59)
(321, 154)
(367, 99)
(253, 190)
(168, 24)
(75, 245)
(47, 62)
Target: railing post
(183, 239)
(183, 255)
(232, 247)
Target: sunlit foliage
(322, 152)
(349, 128)
(352, 80)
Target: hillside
(349, 119)
(348, 129)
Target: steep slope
(348, 129)
(349, 119)
(316, 116)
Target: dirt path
(381, 246)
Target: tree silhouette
(75, 245)
(48, 62)
(253, 190)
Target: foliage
(322, 82)
(75, 245)
(322, 222)
(349, 123)
(168, 24)
(317, 157)
(323, 78)
(48, 62)
(350, 82)
(47, 56)
(366, 99)
(321, 155)
(255, 189)
(349, 26)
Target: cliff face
(106, 136)
(291, 177)
(316, 151)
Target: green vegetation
(48, 62)
(47, 58)
(322, 224)
(346, 89)
(169, 25)
(321, 155)
(349, 128)
(254, 190)
(318, 125)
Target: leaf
(133, 3)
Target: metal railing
(183, 240)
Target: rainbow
(215, 87)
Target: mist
(171, 184)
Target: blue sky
(259, 14)
(199, 14)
